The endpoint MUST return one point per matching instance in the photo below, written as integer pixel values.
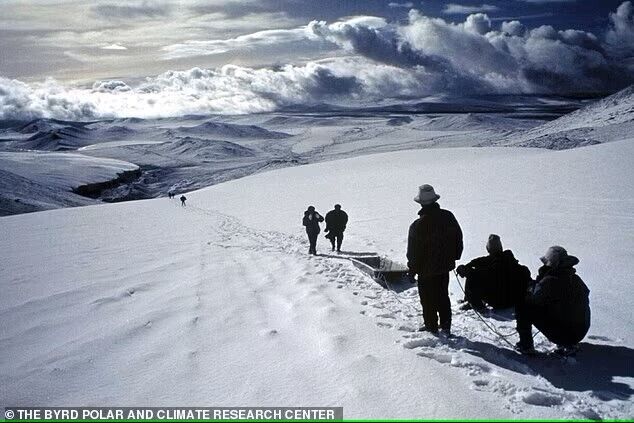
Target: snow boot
(525, 349)
(433, 331)
(566, 351)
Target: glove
(462, 270)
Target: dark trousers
(434, 297)
(312, 240)
(557, 332)
(474, 290)
(336, 237)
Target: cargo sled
(387, 273)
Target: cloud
(407, 5)
(373, 59)
(459, 9)
(132, 10)
(114, 46)
(620, 36)
(248, 41)
(513, 28)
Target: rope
(395, 295)
(487, 324)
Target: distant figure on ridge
(497, 279)
(556, 304)
(433, 246)
(311, 221)
(336, 221)
(170, 194)
(183, 199)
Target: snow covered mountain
(192, 152)
(147, 302)
(34, 180)
(608, 119)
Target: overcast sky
(311, 50)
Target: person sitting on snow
(497, 279)
(556, 304)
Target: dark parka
(434, 242)
(505, 279)
(312, 224)
(561, 297)
(336, 221)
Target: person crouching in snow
(497, 279)
(434, 244)
(556, 304)
(311, 221)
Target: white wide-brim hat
(426, 195)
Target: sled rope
(487, 324)
(395, 295)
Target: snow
(33, 180)
(191, 152)
(605, 120)
(63, 170)
(150, 303)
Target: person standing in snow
(433, 246)
(183, 199)
(497, 279)
(336, 221)
(311, 222)
(556, 303)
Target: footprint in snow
(542, 399)
(439, 357)
(420, 342)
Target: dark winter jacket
(562, 297)
(434, 242)
(311, 221)
(505, 279)
(336, 221)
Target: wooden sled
(387, 273)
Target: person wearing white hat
(557, 304)
(434, 244)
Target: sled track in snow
(475, 350)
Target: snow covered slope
(608, 119)
(40, 180)
(151, 303)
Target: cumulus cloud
(620, 36)
(459, 9)
(376, 59)
(514, 28)
(110, 86)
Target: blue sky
(257, 55)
